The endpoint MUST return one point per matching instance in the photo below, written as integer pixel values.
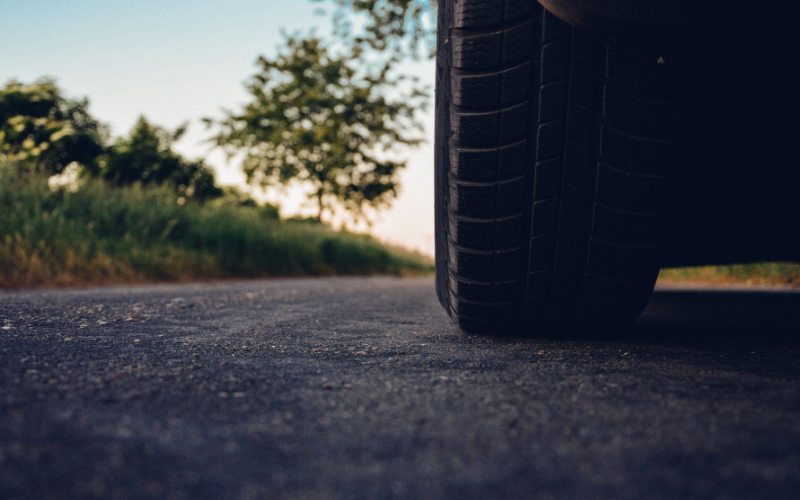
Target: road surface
(361, 388)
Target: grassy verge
(100, 235)
(770, 273)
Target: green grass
(99, 235)
(769, 273)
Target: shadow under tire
(553, 147)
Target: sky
(177, 61)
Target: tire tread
(551, 198)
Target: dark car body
(737, 184)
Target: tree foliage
(146, 156)
(329, 120)
(44, 131)
(395, 27)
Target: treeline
(44, 133)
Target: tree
(146, 157)
(395, 27)
(331, 121)
(44, 131)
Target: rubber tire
(553, 148)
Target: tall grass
(764, 273)
(99, 234)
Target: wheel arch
(620, 15)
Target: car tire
(553, 147)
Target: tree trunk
(320, 206)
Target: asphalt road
(361, 388)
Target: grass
(101, 235)
(769, 273)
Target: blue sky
(176, 61)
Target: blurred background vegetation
(82, 207)
(102, 233)
(334, 114)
